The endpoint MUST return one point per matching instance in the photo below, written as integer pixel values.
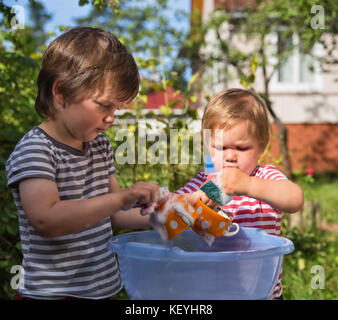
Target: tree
(20, 57)
(144, 27)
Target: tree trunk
(282, 130)
(283, 149)
(282, 137)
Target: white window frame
(295, 86)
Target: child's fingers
(194, 197)
(207, 200)
(154, 192)
(201, 195)
(212, 204)
(146, 192)
(204, 198)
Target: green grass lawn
(314, 250)
(301, 268)
(325, 190)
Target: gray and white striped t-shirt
(78, 265)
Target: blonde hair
(85, 60)
(232, 106)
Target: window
(298, 72)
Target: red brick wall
(310, 146)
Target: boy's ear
(58, 97)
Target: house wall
(310, 146)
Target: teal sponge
(215, 193)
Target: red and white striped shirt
(250, 212)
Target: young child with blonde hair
(240, 131)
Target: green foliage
(101, 3)
(20, 57)
(144, 27)
(324, 189)
(10, 247)
(314, 247)
(311, 249)
(163, 172)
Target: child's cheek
(248, 166)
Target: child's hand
(200, 195)
(235, 181)
(140, 194)
(154, 206)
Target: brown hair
(231, 106)
(85, 60)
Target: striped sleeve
(30, 159)
(194, 184)
(269, 172)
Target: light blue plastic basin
(245, 266)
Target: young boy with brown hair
(240, 131)
(62, 175)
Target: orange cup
(179, 215)
(212, 222)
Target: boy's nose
(109, 119)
